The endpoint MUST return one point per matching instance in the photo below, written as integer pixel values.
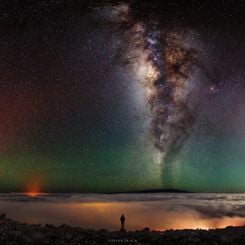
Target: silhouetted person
(122, 219)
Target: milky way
(166, 63)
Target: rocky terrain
(13, 232)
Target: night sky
(102, 96)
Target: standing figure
(122, 219)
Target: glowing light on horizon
(33, 193)
(33, 189)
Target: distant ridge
(152, 191)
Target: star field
(100, 97)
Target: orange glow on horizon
(33, 188)
(33, 194)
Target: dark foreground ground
(13, 232)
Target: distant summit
(153, 191)
(163, 190)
